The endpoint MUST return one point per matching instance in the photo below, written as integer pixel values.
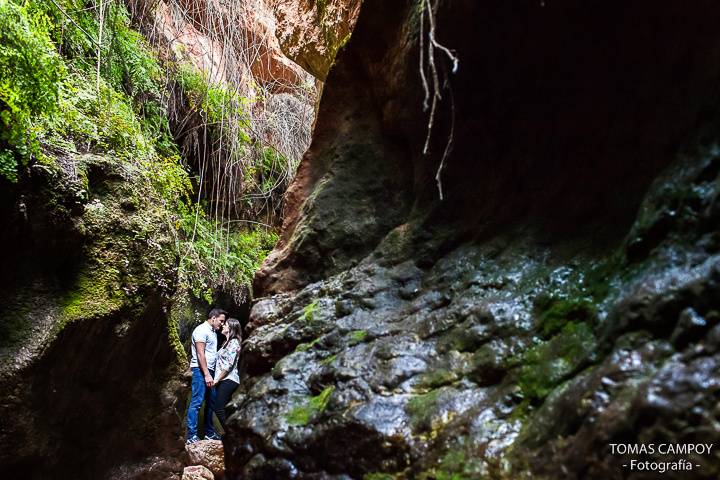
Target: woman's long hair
(234, 330)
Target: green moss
(95, 294)
(460, 338)
(357, 336)
(437, 378)
(321, 6)
(548, 364)
(414, 20)
(175, 342)
(420, 404)
(554, 313)
(344, 41)
(329, 360)
(309, 311)
(598, 279)
(181, 308)
(420, 408)
(454, 465)
(15, 326)
(302, 414)
(304, 347)
(299, 415)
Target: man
(204, 350)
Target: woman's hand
(219, 376)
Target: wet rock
(516, 327)
(690, 326)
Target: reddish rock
(152, 468)
(208, 453)
(311, 33)
(197, 472)
(225, 54)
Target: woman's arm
(223, 366)
(230, 354)
(220, 375)
(233, 352)
(226, 360)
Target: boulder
(208, 453)
(197, 472)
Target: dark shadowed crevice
(564, 113)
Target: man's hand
(208, 380)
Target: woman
(226, 372)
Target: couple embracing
(214, 372)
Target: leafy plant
(309, 311)
(217, 256)
(73, 80)
(30, 74)
(216, 101)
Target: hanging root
(432, 88)
(254, 142)
(448, 147)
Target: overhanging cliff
(563, 295)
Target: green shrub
(30, 76)
(51, 96)
(216, 256)
(131, 63)
(214, 100)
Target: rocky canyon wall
(92, 303)
(561, 297)
(90, 377)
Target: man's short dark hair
(216, 312)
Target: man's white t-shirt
(204, 333)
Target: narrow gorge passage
(464, 239)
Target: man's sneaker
(192, 440)
(213, 436)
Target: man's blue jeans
(200, 392)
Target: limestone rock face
(311, 33)
(220, 38)
(85, 293)
(562, 296)
(208, 453)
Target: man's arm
(200, 348)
